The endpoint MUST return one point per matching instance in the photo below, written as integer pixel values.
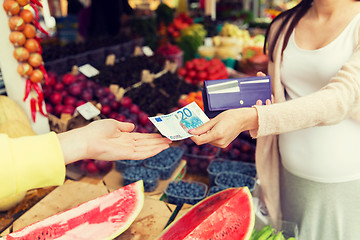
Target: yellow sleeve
(30, 162)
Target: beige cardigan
(338, 100)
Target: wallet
(224, 94)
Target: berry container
(165, 162)
(197, 157)
(230, 179)
(122, 165)
(215, 189)
(150, 177)
(221, 165)
(183, 191)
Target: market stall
(156, 67)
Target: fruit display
(23, 25)
(191, 38)
(171, 52)
(219, 165)
(185, 99)
(268, 232)
(241, 149)
(197, 70)
(93, 167)
(233, 179)
(127, 71)
(165, 162)
(149, 177)
(181, 191)
(214, 189)
(228, 214)
(122, 165)
(253, 58)
(105, 217)
(199, 157)
(179, 23)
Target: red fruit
(114, 105)
(75, 89)
(126, 102)
(120, 117)
(70, 101)
(143, 118)
(68, 110)
(182, 72)
(56, 98)
(103, 166)
(68, 79)
(58, 86)
(51, 78)
(106, 110)
(87, 95)
(134, 109)
(113, 115)
(202, 75)
(49, 108)
(91, 168)
(191, 74)
(58, 109)
(189, 65)
(80, 102)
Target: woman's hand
(224, 128)
(110, 140)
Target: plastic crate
(165, 162)
(229, 180)
(180, 192)
(116, 50)
(150, 177)
(96, 57)
(122, 165)
(222, 165)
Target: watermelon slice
(105, 217)
(228, 214)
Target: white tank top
(325, 153)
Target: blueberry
(179, 192)
(150, 177)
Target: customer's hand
(110, 140)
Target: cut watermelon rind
(115, 199)
(251, 220)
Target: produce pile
(181, 191)
(269, 233)
(197, 70)
(23, 25)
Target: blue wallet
(224, 94)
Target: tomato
(27, 15)
(17, 38)
(16, 23)
(189, 65)
(191, 74)
(29, 31)
(36, 76)
(182, 72)
(202, 75)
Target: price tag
(88, 70)
(88, 110)
(147, 51)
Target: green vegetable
(164, 14)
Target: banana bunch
(231, 30)
(268, 233)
